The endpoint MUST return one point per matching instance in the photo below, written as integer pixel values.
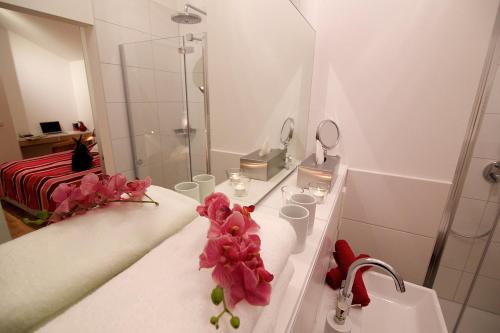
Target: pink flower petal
(61, 192)
(261, 295)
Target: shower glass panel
(468, 278)
(165, 107)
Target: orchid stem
(224, 303)
(156, 203)
(137, 201)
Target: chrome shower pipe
(189, 6)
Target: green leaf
(43, 215)
(33, 222)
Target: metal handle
(492, 172)
(484, 234)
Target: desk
(44, 145)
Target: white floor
(473, 321)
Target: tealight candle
(319, 191)
(233, 175)
(241, 186)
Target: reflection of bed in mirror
(28, 184)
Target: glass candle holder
(319, 191)
(241, 186)
(287, 191)
(234, 175)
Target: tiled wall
(475, 215)
(393, 218)
(155, 96)
(154, 108)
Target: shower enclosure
(465, 268)
(165, 85)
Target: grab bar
(484, 234)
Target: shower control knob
(492, 172)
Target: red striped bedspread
(30, 182)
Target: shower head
(186, 18)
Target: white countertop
(303, 262)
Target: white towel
(48, 270)
(269, 316)
(165, 291)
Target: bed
(29, 183)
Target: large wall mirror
(178, 89)
(45, 109)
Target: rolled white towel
(165, 291)
(48, 270)
(269, 316)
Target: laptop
(51, 127)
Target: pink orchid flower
(215, 207)
(235, 224)
(138, 187)
(62, 192)
(238, 268)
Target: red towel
(344, 256)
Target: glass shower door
(157, 88)
(468, 278)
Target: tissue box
(263, 167)
(310, 172)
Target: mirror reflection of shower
(186, 17)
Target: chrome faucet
(344, 300)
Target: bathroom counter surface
(297, 312)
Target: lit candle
(234, 177)
(319, 191)
(240, 189)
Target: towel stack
(48, 270)
(165, 291)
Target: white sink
(416, 310)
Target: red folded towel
(344, 256)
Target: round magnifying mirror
(287, 131)
(328, 134)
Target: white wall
(43, 83)
(259, 74)
(81, 93)
(12, 91)
(9, 149)
(400, 77)
(76, 10)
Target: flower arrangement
(91, 193)
(233, 251)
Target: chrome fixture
(285, 138)
(492, 172)
(191, 37)
(328, 134)
(186, 17)
(344, 300)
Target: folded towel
(344, 257)
(268, 318)
(165, 291)
(335, 276)
(48, 270)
